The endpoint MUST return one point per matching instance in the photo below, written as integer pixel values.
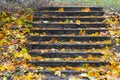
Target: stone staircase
(68, 33)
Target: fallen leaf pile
(14, 30)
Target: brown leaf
(61, 9)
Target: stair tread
(64, 54)
(68, 12)
(68, 52)
(66, 46)
(60, 17)
(76, 36)
(38, 22)
(66, 63)
(73, 7)
(46, 28)
(70, 44)
(78, 61)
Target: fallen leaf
(44, 33)
(1, 36)
(23, 51)
(26, 56)
(86, 9)
(71, 41)
(61, 9)
(117, 40)
(2, 68)
(58, 73)
(95, 34)
(77, 22)
(11, 67)
(53, 40)
(62, 50)
(83, 33)
(102, 34)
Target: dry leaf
(62, 50)
(102, 34)
(44, 33)
(117, 40)
(26, 56)
(71, 41)
(53, 40)
(82, 32)
(86, 9)
(61, 9)
(1, 36)
(77, 22)
(58, 73)
(95, 34)
(2, 68)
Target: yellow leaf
(8, 19)
(44, 33)
(113, 63)
(1, 36)
(52, 69)
(78, 22)
(115, 72)
(62, 50)
(9, 43)
(97, 74)
(90, 73)
(10, 68)
(107, 48)
(58, 73)
(2, 68)
(95, 34)
(61, 9)
(77, 68)
(80, 32)
(4, 14)
(71, 41)
(117, 40)
(19, 22)
(29, 76)
(23, 51)
(116, 19)
(16, 55)
(26, 56)
(53, 40)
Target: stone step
(66, 63)
(67, 31)
(65, 54)
(66, 46)
(68, 38)
(70, 8)
(55, 25)
(58, 19)
(70, 13)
